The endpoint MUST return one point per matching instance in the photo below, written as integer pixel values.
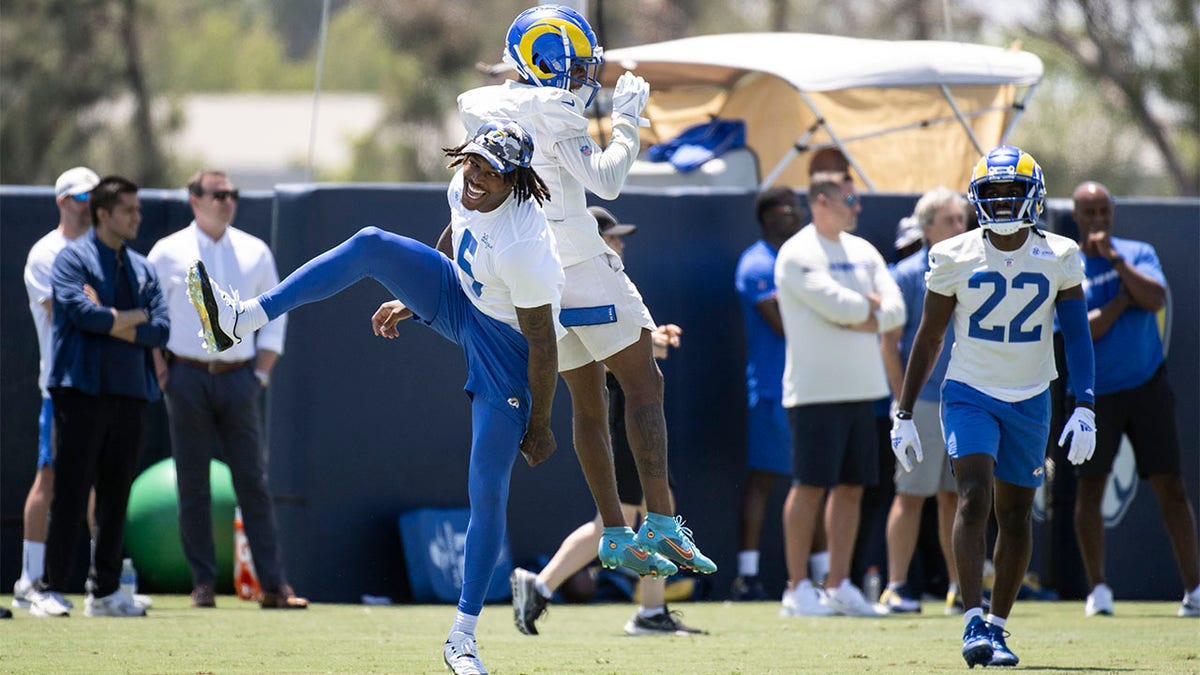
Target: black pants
(98, 443)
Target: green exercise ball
(152, 529)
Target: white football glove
(904, 436)
(630, 96)
(1082, 430)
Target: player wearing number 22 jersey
(1002, 285)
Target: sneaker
(674, 544)
(663, 623)
(847, 600)
(115, 604)
(5, 613)
(1191, 605)
(21, 590)
(143, 601)
(746, 588)
(528, 604)
(47, 603)
(899, 601)
(219, 311)
(977, 643)
(459, 654)
(954, 603)
(804, 600)
(623, 550)
(1099, 601)
(1001, 654)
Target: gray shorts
(932, 474)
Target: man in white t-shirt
(835, 297)
(74, 219)
(554, 50)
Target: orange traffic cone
(245, 579)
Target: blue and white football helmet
(546, 43)
(1008, 164)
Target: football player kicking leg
(510, 349)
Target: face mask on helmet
(1001, 208)
(553, 46)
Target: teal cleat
(1001, 654)
(674, 544)
(977, 643)
(622, 550)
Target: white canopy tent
(909, 115)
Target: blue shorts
(769, 438)
(1013, 434)
(45, 429)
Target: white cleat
(219, 311)
(460, 657)
(1099, 601)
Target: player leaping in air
(1002, 285)
(557, 58)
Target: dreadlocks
(525, 182)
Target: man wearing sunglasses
(74, 220)
(835, 297)
(213, 399)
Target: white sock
(971, 614)
(542, 589)
(996, 621)
(893, 585)
(253, 317)
(33, 564)
(648, 612)
(818, 565)
(1194, 591)
(747, 563)
(464, 623)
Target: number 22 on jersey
(1000, 286)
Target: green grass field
(743, 638)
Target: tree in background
(1144, 60)
(61, 60)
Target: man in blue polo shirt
(109, 314)
(769, 440)
(1125, 289)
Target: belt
(213, 367)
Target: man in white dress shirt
(213, 399)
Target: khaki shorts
(932, 474)
(600, 282)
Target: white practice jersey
(37, 285)
(564, 155)
(506, 258)
(1004, 311)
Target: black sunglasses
(221, 195)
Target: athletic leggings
(425, 281)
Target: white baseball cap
(908, 231)
(75, 181)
